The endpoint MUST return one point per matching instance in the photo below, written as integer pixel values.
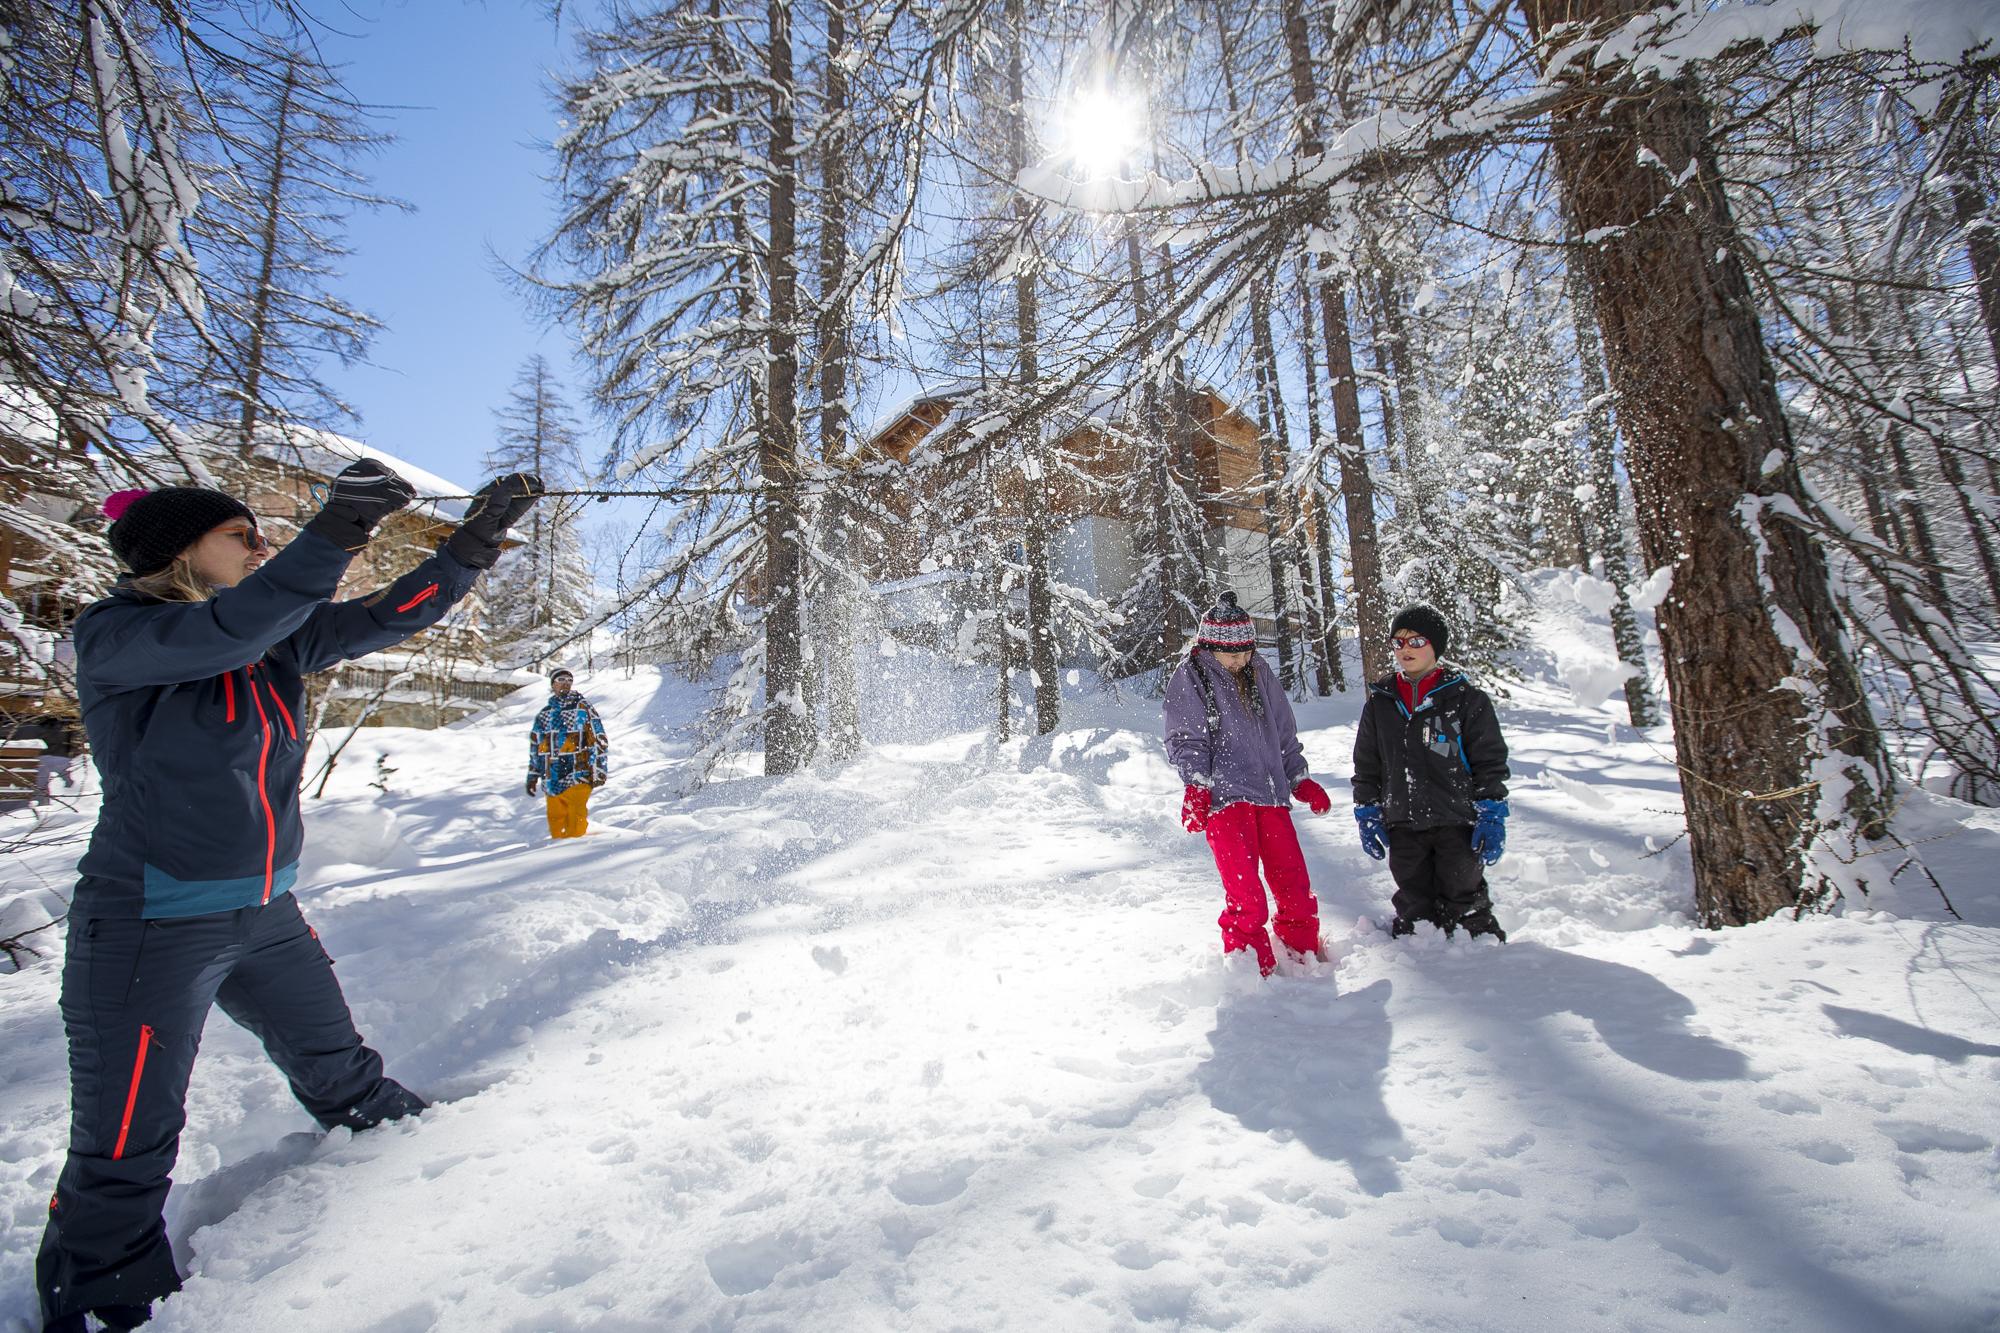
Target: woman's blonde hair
(176, 583)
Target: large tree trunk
(1968, 205)
(1322, 526)
(1280, 512)
(1312, 574)
(1153, 533)
(1357, 486)
(1027, 373)
(788, 730)
(836, 603)
(1705, 434)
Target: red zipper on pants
(263, 765)
(132, 1093)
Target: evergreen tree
(543, 592)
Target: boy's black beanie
(1421, 619)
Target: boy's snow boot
(1482, 923)
(1400, 926)
(69, 1323)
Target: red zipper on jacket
(263, 765)
(229, 696)
(283, 711)
(419, 599)
(132, 1092)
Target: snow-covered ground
(942, 1041)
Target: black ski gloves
(499, 506)
(362, 495)
(532, 782)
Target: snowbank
(941, 1039)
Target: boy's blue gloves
(1489, 835)
(1374, 834)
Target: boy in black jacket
(1430, 782)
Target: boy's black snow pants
(135, 995)
(1439, 877)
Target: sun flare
(1099, 132)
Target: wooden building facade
(930, 493)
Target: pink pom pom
(116, 503)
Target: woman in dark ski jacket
(1430, 782)
(1231, 735)
(190, 679)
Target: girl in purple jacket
(1231, 734)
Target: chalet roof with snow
(325, 453)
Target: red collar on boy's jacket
(1412, 695)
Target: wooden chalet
(435, 678)
(1093, 498)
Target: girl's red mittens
(1313, 795)
(1194, 808)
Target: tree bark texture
(836, 352)
(1357, 486)
(1279, 508)
(1704, 429)
(1321, 510)
(788, 730)
(1027, 373)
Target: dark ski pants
(135, 995)
(1439, 877)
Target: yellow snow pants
(567, 811)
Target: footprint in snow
(741, 1267)
(1606, 1226)
(1459, 1231)
(1695, 1254)
(937, 1186)
(1915, 1136)
(833, 960)
(1139, 1256)
(1788, 1103)
(1826, 1151)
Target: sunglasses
(252, 539)
(1409, 641)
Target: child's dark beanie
(1227, 626)
(157, 526)
(1421, 619)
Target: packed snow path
(941, 1041)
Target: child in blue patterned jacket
(568, 756)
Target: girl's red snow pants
(1241, 836)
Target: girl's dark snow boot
(108, 1316)
(390, 1100)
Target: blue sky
(463, 86)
